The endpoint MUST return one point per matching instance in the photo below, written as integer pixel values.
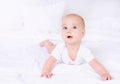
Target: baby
(72, 51)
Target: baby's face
(72, 29)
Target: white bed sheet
(71, 75)
(107, 53)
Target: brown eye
(74, 27)
(64, 27)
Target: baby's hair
(76, 15)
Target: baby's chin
(70, 42)
(73, 41)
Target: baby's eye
(64, 27)
(74, 27)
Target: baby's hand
(106, 77)
(47, 74)
(48, 45)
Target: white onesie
(60, 53)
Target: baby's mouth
(69, 36)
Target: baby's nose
(68, 30)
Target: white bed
(63, 73)
(108, 55)
(31, 21)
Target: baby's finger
(41, 44)
(49, 75)
(41, 75)
(109, 78)
(104, 77)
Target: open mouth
(69, 36)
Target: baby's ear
(83, 32)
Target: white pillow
(102, 22)
(10, 14)
(44, 21)
(35, 19)
(104, 29)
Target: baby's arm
(48, 66)
(48, 45)
(100, 70)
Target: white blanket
(21, 71)
(69, 74)
(106, 53)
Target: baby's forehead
(73, 17)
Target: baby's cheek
(79, 35)
(63, 37)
